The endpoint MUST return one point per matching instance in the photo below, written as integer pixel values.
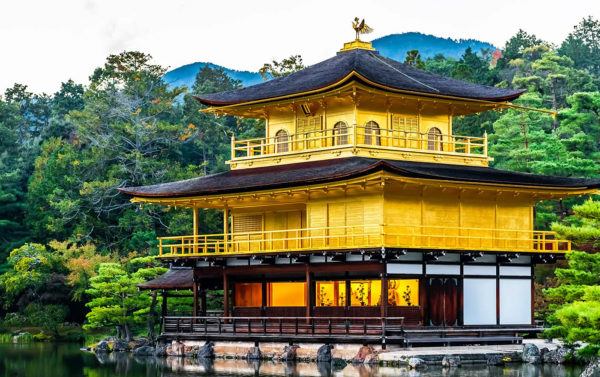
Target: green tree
(575, 303)
(582, 45)
(129, 133)
(281, 68)
(32, 267)
(413, 58)
(116, 301)
(514, 47)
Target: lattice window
(340, 133)
(247, 223)
(281, 141)
(405, 123)
(434, 139)
(308, 124)
(372, 128)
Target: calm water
(65, 360)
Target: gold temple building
(360, 216)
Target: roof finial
(360, 27)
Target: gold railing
(359, 136)
(363, 236)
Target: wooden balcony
(350, 238)
(359, 140)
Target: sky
(44, 43)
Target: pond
(66, 360)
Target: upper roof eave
(371, 66)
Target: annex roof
(307, 173)
(368, 67)
(174, 278)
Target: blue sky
(46, 42)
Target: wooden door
(443, 301)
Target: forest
(72, 248)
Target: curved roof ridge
(402, 73)
(388, 73)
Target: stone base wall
(269, 350)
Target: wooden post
(195, 225)
(225, 294)
(309, 294)
(203, 298)
(163, 311)
(195, 291)
(233, 147)
(226, 229)
(485, 143)
(384, 295)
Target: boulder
(324, 353)
(102, 347)
(176, 349)
(254, 353)
(338, 363)
(494, 359)
(556, 356)
(451, 361)
(144, 351)
(371, 359)
(207, 351)
(416, 363)
(592, 369)
(160, 350)
(120, 345)
(531, 354)
(363, 352)
(289, 353)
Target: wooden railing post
(233, 147)
(485, 143)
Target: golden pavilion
(360, 216)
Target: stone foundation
(270, 350)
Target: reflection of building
(360, 191)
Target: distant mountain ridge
(186, 75)
(393, 46)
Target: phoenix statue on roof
(360, 27)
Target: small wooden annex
(360, 216)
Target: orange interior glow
(286, 294)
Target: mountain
(186, 75)
(393, 46)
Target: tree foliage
(281, 68)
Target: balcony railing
(346, 238)
(359, 136)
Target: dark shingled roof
(175, 278)
(371, 66)
(307, 173)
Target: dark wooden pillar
(348, 296)
(264, 298)
(309, 293)
(163, 311)
(203, 301)
(225, 294)
(195, 291)
(384, 295)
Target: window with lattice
(308, 124)
(405, 123)
(247, 223)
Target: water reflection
(47, 360)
